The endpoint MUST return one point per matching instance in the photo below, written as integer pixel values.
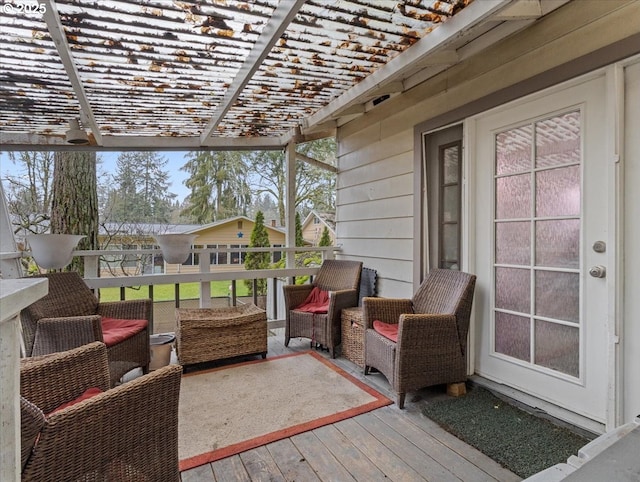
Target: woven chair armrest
(127, 310)
(62, 334)
(427, 331)
(341, 299)
(54, 379)
(294, 295)
(387, 310)
(132, 427)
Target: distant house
(227, 235)
(314, 224)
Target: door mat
(228, 410)
(519, 441)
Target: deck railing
(202, 274)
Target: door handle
(598, 271)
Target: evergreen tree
(299, 238)
(219, 188)
(258, 260)
(325, 238)
(141, 193)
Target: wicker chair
(341, 279)
(129, 432)
(431, 345)
(71, 316)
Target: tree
(219, 188)
(74, 201)
(258, 260)
(142, 192)
(299, 238)
(29, 192)
(325, 238)
(315, 187)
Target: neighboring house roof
(231, 220)
(144, 229)
(149, 229)
(328, 219)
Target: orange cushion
(115, 330)
(316, 302)
(388, 330)
(88, 393)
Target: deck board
(387, 444)
(320, 457)
(348, 454)
(291, 462)
(229, 470)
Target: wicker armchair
(71, 316)
(341, 279)
(129, 432)
(432, 328)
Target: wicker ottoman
(353, 335)
(207, 334)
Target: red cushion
(88, 393)
(388, 330)
(316, 302)
(115, 330)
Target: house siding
(375, 187)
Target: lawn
(167, 292)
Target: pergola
(225, 74)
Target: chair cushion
(316, 302)
(115, 330)
(88, 393)
(388, 330)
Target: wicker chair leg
(332, 351)
(401, 400)
(367, 369)
(286, 341)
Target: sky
(175, 160)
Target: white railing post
(204, 262)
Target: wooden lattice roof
(218, 73)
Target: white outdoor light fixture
(53, 251)
(76, 135)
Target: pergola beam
(315, 162)
(282, 16)
(56, 30)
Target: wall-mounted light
(75, 135)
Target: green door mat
(518, 440)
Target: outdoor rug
(518, 440)
(225, 411)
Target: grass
(167, 292)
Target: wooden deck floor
(387, 444)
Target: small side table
(353, 335)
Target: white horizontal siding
(375, 206)
(375, 198)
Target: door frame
(614, 138)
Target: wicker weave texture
(125, 433)
(353, 335)
(341, 278)
(208, 334)
(432, 335)
(69, 317)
